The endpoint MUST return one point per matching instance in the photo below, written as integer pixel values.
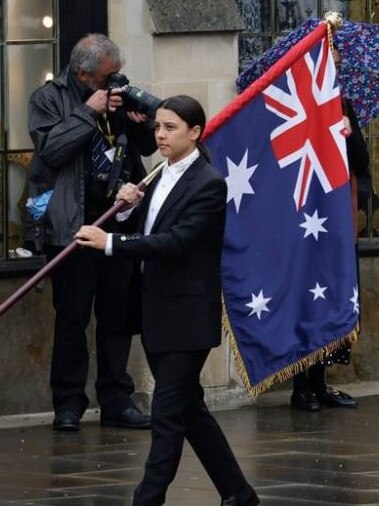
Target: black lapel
(178, 190)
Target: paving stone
(292, 458)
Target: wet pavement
(292, 458)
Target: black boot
(303, 397)
(237, 500)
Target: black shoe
(234, 501)
(336, 399)
(304, 400)
(67, 420)
(130, 418)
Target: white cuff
(124, 215)
(109, 245)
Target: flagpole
(121, 205)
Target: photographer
(76, 124)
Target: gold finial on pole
(334, 19)
(334, 22)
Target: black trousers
(312, 379)
(86, 279)
(178, 412)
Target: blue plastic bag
(36, 206)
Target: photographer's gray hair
(88, 52)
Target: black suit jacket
(181, 282)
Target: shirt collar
(183, 164)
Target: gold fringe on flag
(289, 371)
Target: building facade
(168, 48)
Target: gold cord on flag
(334, 21)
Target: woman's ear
(196, 132)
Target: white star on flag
(238, 179)
(313, 225)
(354, 300)
(258, 304)
(318, 292)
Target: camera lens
(135, 99)
(142, 101)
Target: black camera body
(135, 99)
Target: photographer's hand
(102, 101)
(136, 117)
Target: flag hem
(290, 370)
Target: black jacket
(181, 282)
(357, 152)
(358, 157)
(62, 128)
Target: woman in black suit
(181, 224)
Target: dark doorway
(76, 18)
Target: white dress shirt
(169, 177)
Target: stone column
(170, 49)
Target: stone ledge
(181, 16)
(217, 398)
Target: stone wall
(203, 65)
(26, 338)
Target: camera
(134, 98)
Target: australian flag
(289, 271)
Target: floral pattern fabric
(358, 46)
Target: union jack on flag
(288, 267)
(318, 145)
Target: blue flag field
(289, 270)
